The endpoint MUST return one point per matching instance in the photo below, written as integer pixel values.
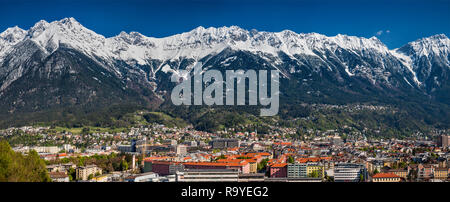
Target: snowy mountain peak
(9, 38)
(135, 48)
(125, 39)
(196, 43)
(434, 45)
(199, 29)
(216, 30)
(133, 56)
(133, 35)
(439, 37)
(69, 21)
(38, 28)
(212, 33)
(13, 34)
(67, 31)
(12, 30)
(439, 40)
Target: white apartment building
(207, 175)
(349, 172)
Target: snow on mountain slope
(134, 48)
(426, 58)
(68, 31)
(407, 62)
(9, 38)
(194, 44)
(435, 45)
(201, 42)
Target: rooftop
(385, 175)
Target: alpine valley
(65, 74)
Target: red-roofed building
(242, 165)
(385, 177)
(62, 155)
(278, 170)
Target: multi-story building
(312, 168)
(163, 167)
(402, 173)
(60, 167)
(181, 149)
(83, 172)
(375, 165)
(349, 172)
(253, 165)
(124, 148)
(59, 177)
(56, 168)
(224, 143)
(425, 172)
(207, 175)
(242, 166)
(295, 170)
(441, 173)
(49, 149)
(278, 170)
(443, 141)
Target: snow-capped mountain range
(196, 44)
(46, 50)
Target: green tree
(290, 159)
(314, 174)
(15, 167)
(375, 171)
(36, 168)
(123, 165)
(262, 165)
(72, 174)
(6, 161)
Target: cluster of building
(60, 172)
(323, 160)
(184, 154)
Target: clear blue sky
(406, 20)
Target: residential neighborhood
(160, 154)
